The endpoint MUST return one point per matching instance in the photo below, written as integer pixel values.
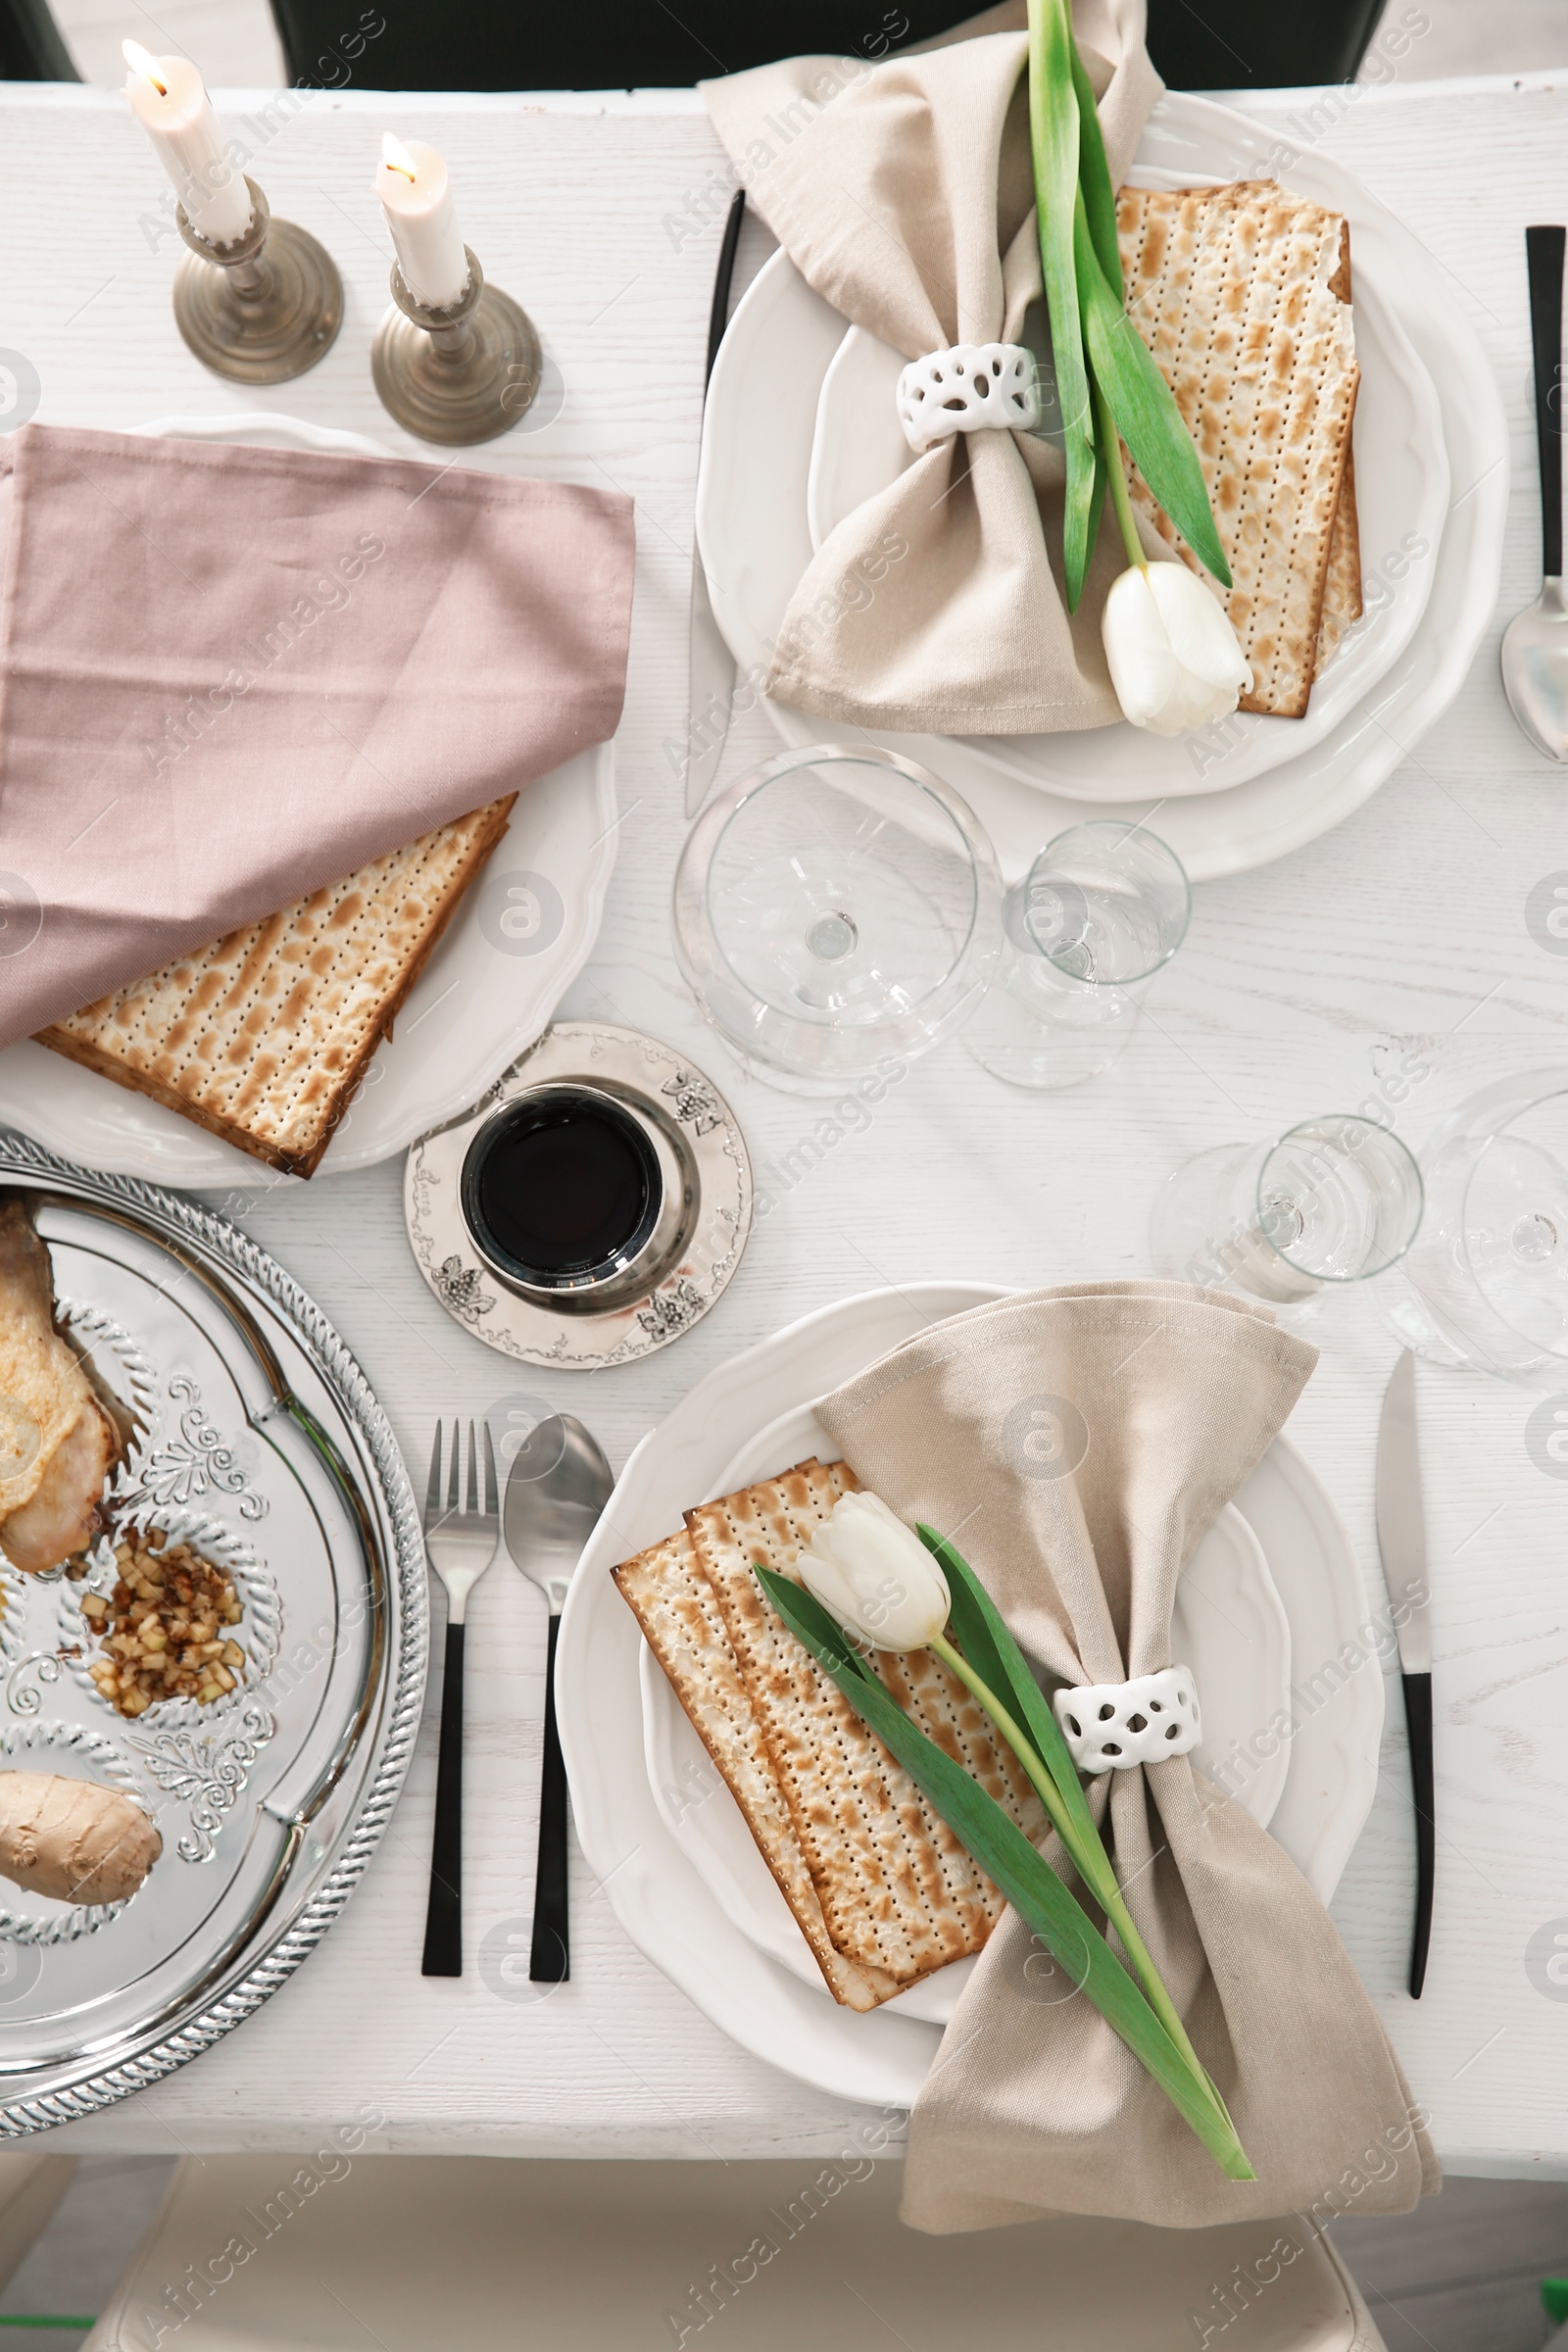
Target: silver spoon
(1535, 645)
(556, 1487)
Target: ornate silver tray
(261, 1446)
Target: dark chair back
(611, 44)
(31, 47)
(627, 45)
(1240, 45)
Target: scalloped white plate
(660, 1896)
(1402, 489)
(752, 529)
(486, 994)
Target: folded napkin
(903, 194)
(1077, 1443)
(229, 676)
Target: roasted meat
(60, 1432)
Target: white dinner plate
(520, 937)
(1229, 1626)
(1401, 475)
(658, 1892)
(752, 527)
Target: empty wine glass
(1104, 906)
(1486, 1284)
(837, 908)
(1337, 1199)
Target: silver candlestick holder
(460, 374)
(263, 308)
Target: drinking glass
(1487, 1283)
(1101, 909)
(837, 908)
(1335, 1201)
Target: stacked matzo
(883, 1891)
(264, 1037)
(1243, 294)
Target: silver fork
(462, 1543)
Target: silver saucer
(694, 1121)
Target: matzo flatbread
(1342, 604)
(673, 1603)
(1236, 290)
(898, 1890)
(263, 1037)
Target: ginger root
(73, 1839)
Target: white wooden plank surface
(1302, 988)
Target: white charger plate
(758, 437)
(486, 994)
(858, 449)
(1229, 1626)
(655, 1889)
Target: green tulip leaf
(1093, 178)
(1022, 1873)
(1053, 141)
(987, 1641)
(1097, 501)
(814, 1625)
(1006, 1688)
(1144, 409)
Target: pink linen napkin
(231, 675)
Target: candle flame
(395, 158)
(141, 61)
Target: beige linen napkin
(903, 194)
(1076, 1444)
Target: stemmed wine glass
(836, 908)
(1487, 1283)
(1104, 908)
(1334, 1201)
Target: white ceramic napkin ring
(968, 388)
(1110, 1726)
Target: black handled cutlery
(1403, 1543)
(556, 1487)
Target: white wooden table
(1302, 988)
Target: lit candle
(412, 183)
(170, 99)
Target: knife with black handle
(1544, 254)
(712, 685)
(1403, 1543)
(1418, 1718)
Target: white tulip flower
(1174, 657)
(875, 1576)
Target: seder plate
(668, 1091)
(262, 1447)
